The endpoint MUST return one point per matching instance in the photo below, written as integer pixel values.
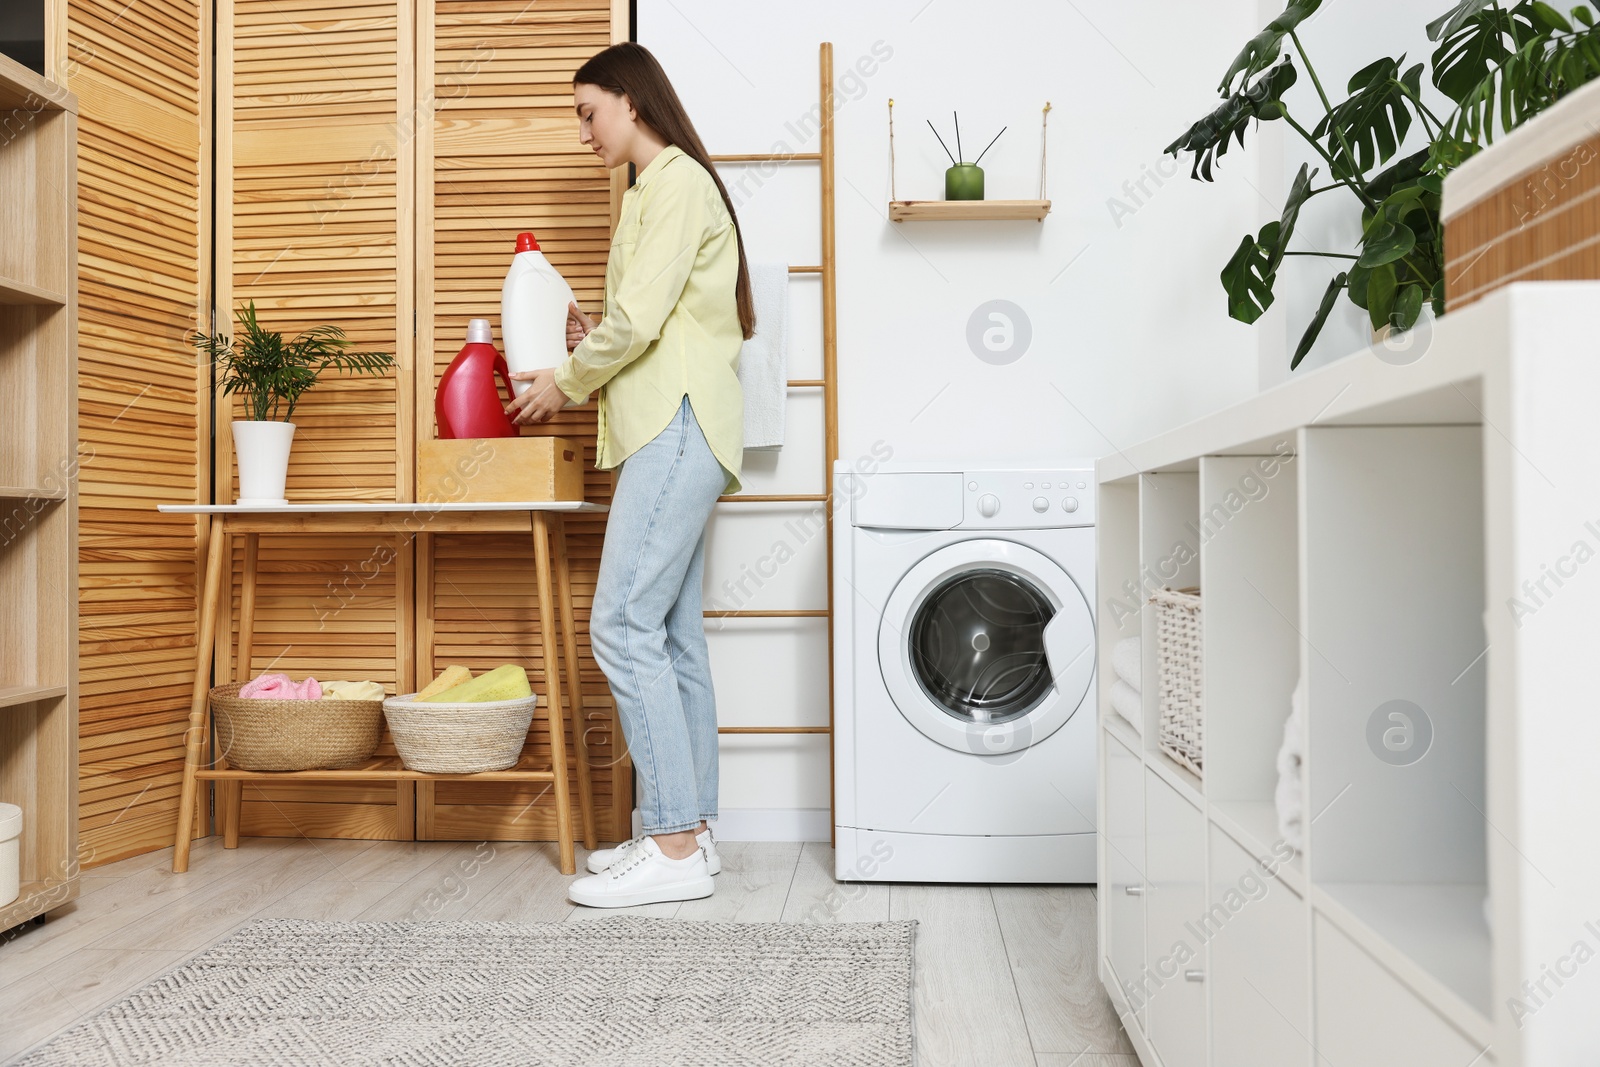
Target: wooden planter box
(1528, 207)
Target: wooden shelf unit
(38, 486)
(954, 210)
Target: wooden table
(543, 518)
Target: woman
(664, 357)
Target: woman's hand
(578, 324)
(538, 403)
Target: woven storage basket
(1183, 723)
(294, 735)
(459, 738)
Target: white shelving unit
(1414, 542)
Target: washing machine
(964, 743)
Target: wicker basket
(1182, 730)
(294, 735)
(459, 738)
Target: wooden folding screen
(141, 75)
(374, 163)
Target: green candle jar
(964, 181)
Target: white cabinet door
(1366, 1017)
(1257, 926)
(1175, 903)
(1125, 869)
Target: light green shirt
(671, 322)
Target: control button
(1027, 485)
(973, 486)
(1044, 485)
(1041, 505)
(988, 505)
(1082, 486)
(1070, 504)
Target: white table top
(353, 507)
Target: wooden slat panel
(501, 155)
(143, 237)
(314, 182)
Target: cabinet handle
(1133, 890)
(1194, 976)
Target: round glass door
(986, 646)
(977, 646)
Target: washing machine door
(987, 646)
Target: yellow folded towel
(352, 691)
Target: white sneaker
(601, 859)
(644, 875)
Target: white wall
(1118, 286)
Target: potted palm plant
(271, 374)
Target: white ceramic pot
(10, 853)
(262, 449)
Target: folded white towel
(1125, 701)
(1128, 664)
(1290, 795)
(764, 359)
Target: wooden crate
(485, 469)
(1528, 207)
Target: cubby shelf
(1361, 537)
(22, 492)
(12, 696)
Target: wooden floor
(1005, 975)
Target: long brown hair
(630, 68)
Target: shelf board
(1428, 934)
(1253, 824)
(1185, 781)
(380, 768)
(15, 292)
(23, 492)
(12, 695)
(1122, 730)
(38, 897)
(952, 210)
(28, 90)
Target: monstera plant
(1499, 64)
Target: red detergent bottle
(467, 402)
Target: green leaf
(1309, 338)
(1356, 285)
(1373, 120)
(1548, 18)
(1452, 20)
(1299, 193)
(1583, 15)
(1392, 241)
(1438, 297)
(1208, 138)
(1247, 278)
(1407, 306)
(1470, 50)
(1262, 49)
(1380, 294)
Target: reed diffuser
(963, 181)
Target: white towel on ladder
(764, 359)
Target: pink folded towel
(280, 687)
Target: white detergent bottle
(533, 313)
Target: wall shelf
(953, 210)
(23, 492)
(15, 292)
(13, 695)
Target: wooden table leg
(552, 674)
(199, 702)
(569, 643)
(231, 794)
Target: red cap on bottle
(526, 243)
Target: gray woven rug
(622, 992)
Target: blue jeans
(647, 626)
